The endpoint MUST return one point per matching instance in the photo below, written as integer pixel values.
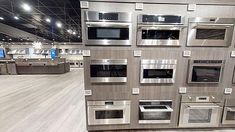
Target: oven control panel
(198, 98)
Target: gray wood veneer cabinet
(123, 91)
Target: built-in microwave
(158, 71)
(160, 30)
(216, 32)
(155, 111)
(108, 112)
(205, 71)
(108, 28)
(108, 71)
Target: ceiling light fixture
(1, 18)
(26, 7)
(69, 31)
(74, 33)
(48, 20)
(16, 17)
(59, 24)
(37, 45)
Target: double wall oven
(158, 71)
(108, 28)
(229, 112)
(108, 71)
(216, 32)
(200, 111)
(108, 112)
(155, 111)
(205, 71)
(160, 30)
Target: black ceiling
(66, 12)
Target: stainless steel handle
(161, 26)
(210, 107)
(212, 26)
(230, 109)
(215, 24)
(107, 24)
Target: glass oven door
(206, 34)
(199, 115)
(229, 115)
(107, 33)
(205, 74)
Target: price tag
(135, 91)
(88, 92)
(139, 6)
(137, 53)
(187, 53)
(182, 90)
(86, 53)
(84, 4)
(233, 54)
(192, 7)
(228, 91)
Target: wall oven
(200, 111)
(229, 112)
(160, 30)
(233, 76)
(155, 111)
(210, 31)
(205, 71)
(108, 71)
(108, 112)
(158, 71)
(108, 28)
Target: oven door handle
(163, 27)
(204, 107)
(169, 109)
(231, 109)
(213, 26)
(107, 24)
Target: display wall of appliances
(155, 111)
(160, 30)
(200, 111)
(108, 112)
(205, 71)
(210, 31)
(108, 28)
(158, 71)
(108, 71)
(229, 112)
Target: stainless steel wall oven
(108, 71)
(205, 71)
(108, 28)
(155, 111)
(160, 30)
(210, 31)
(200, 111)
(108, 112)
(158, 71)
(229, 112)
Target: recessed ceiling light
(48, 20)
(74, 33)
(26, 7)
(69, 31)
(59, 24)
(16, 17)
(1, 18)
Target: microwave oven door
(105, 115)
(229, 115)
(159, 35)
(205, 74)
(199, 115)
(206, 34)
(157, 74)
(108, 33)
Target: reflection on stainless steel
(160, 30)
(229, 112)
(18, 51)
(108, 112)
(158, 71)
(205, 71)
(210, 31)
(108, 71)
(108, 28)
(155, 111)
(200, 111)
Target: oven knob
(212, 97)
(189, 97)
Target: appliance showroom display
(205, 71)
(155, 111)
(200, 111)
(160, 30)
(229, 112)
(210, 31)
(108, 71)
(108, 112)
(158, 71)
(108, 28)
